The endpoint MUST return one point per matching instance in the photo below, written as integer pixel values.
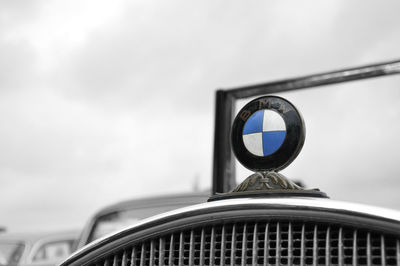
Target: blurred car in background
(44, 249)
(123, 214)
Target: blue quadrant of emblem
(264, 132)
(255, 123)
(272, 140)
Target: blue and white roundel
(264, 132)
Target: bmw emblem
(267, 134)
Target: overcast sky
(108, 100)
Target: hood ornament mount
(267, 135)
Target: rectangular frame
(224, 161)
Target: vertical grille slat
(223, 246)
(191, 248)
(202, 247)
(398, 252)
(302, 246)
(151, 260)
(255, 245)
(212, 246)
(383, 253)
(266, 246)
(290, 245)
(271, 242)
(142, 254)
(355, 248)
(161, 248)
(369, 257)
(115, 260)
(340, 247)
(124, 259)
(171, 250)
(278, 245)
(244, 244)
(133, 257)
(315, 246)
(180, 258)
(328, 247)
(233, 245)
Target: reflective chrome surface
(298, 203)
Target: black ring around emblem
(292, 143)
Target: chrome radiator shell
(289, 231)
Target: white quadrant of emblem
(264, 132)
(254, 143)
(272, 121)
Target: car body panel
(152, 205)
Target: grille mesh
(262, 243)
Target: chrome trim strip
(301, 203)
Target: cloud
(101, 101)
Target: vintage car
(40, 249)
(122, 214)
(267, 219)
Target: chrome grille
(262, 243)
